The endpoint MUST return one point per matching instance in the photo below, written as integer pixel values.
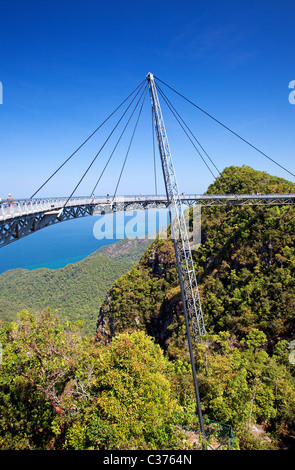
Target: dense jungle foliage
(75, 291)
(130, 385)
(246, 272)
(245, 269)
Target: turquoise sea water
(68, 242)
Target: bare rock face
(104, 326)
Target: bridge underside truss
(15, 228)
(243, 200)
(205, 201)
(24, 218)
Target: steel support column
(185, 266)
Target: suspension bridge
(22, 217)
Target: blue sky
(66, 65)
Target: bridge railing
(20, 207)
(10, 209)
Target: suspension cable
(117, 143)
(105, 142)
(131, 140)
(85, 141)
(190, 131)
(227, 128)
(154, 152)
(174, 112)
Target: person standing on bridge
(9, 199)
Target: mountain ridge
(75, 290)
(245, 268)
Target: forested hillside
(246, 272)
(245, 268)
(130, 386)
(75, 291)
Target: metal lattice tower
(186, 271)
(178, 224)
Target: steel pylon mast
(178, 223)
(185, 266)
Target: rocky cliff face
(147, 297)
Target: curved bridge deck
(19, 218)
